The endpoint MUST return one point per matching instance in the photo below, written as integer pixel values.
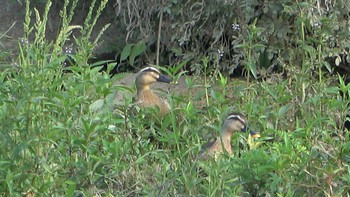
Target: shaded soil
(11, 25)
(12, 14)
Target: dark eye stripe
(150, 69)
(237, 117)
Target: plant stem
(159, 33)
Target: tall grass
(61, 135)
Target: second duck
(234, 122)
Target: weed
(62, 136)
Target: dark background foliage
(260, 36)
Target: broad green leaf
(99, 63)
(332, 90)
(136, 50)
(284, 109)
(259, 46)
(126, 52)
(308, 49)
(270, 90)
(97, 105)
(328, 66)
(239, 46)
(252, 69)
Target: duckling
(234, 122)
(145, 96)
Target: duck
(145, 97)
(234, 122)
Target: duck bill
(254, 134)
(244, 129)
(163, 78)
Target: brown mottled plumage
(234, 122)
(145, 96)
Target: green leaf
(100, 63)
(332, 90)
(177, 51)
(308, 49)
(239, 46)
(140, 160)
(270, 91)
(284, 109)
(252, 69)
(126, 52)
(97, 105)
(328, 66)
(136, 50)
(259, 46)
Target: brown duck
(145, 96)
(233, 123)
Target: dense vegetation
(62, 135)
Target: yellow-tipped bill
(254, 134)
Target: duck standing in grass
(233, 123)
(145, 96)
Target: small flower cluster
(220, 54)
(68, 50)
(236, 27)
(24, 41)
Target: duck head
(235, 122)
(238, 122)
(148, 75)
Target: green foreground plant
(61, 136)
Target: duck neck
(142, 88)
(226, 136)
